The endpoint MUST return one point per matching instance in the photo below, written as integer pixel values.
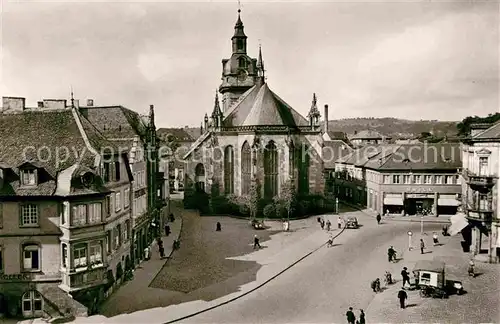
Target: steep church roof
(259, 106)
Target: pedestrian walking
(147, 253)
(391, 253)
(171, 218)
(402, 296)
(422, 246)
(379, 218)
(351, 318)
(162, 251)
(471, 270)
(328, 225)
(256, 243)
(218, 227)
(376, 285)
(159, 242)
(318, 219)
(406, 276)
(322, 224)
(435, 239)
(361, 317)
(339, 222)
(167, 230)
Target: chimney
(40, 104)
(13, 103)
(90, 102)
(54, 103)
(326, 119)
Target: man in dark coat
(256, 242)
(351, 318)
(406, 276)
(167, 230)
(218, 227)
(403, 296)
(391, 253)
(379, 218)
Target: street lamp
(410, 234)
(421, 225)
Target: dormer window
(28, 177)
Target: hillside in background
(394, 127)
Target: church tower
(239, 73)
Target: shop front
(419, 204)
(393, 203)
(448, 204)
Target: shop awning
(448, 202)
(393, 201)
(458, 223)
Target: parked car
(352, 222)
(256, 224)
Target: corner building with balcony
(255, 135)
(481, 169)
(64, 212)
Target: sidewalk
(481, 300)
(144, 273)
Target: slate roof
(37, 137)
(492, 133)
(333, 150)
(368, 134)
(259, 106)
(419, 157)
(116, 123)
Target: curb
(167, 257)
(255, 288)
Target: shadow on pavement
(411, 305)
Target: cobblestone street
(478, 305)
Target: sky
(412, 60)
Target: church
(254, 135)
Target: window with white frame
(427, 179)
(64, 255)
(118, 201)
(439, 179)
(406, 179)
(79, 215)
(396, 178)
(28, 177)
(417, 179)
(117, 236)
(95, 212)
(448, 179)
(31, 257)
(29, 215)
(387, 179)
(95, 252)
(80, 255)
(125, 231)
(109, 241)
(126, 198)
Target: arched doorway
(199, 179)
(32, 304)
(270, 170)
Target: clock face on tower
(242, 75)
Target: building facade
(135, 135)
(481, 169)
(256, 136)
(368, 137)
(405, 179)
(64, 211)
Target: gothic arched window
(246, 168)
(270, 170)
(199, 181)
(228, 170)
(291, 159)
(304, 171)
(242, 63)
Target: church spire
(239, 38)
(260, 64)
(216, 113)
(314, 113)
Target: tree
(464, 127)
(288, 197)
(254, 201)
